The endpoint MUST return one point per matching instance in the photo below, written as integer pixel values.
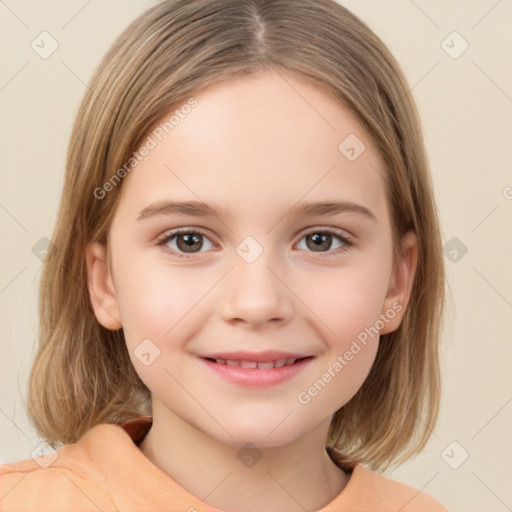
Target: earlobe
(101, 288)
(401, 282)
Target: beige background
(466, 106)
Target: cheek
(163, 307)
(157, 300)
(350, 343)
(348, 306)
(349, 300)
(160, 307)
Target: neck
(299, 476)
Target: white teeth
(248, 364)
(266, 366)
(261, 365)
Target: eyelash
(337, 234)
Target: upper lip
(259, 357)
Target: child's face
(260, 279)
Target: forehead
(257, 143)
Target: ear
(400, 284)
(101, 287)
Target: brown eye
(321, 241)
(188, 242)
(183, 242)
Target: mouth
(246, 371)
(261, 365)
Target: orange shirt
(105, 471)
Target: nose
(256, 294)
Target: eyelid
(342, 234)
(171, 233)
(191, 229)
(319, 227)
(168, 235)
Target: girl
(241, 306)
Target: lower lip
(256, 376)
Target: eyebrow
(205, 209)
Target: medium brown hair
(82, 374)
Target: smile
(255, 364)
(257, 373)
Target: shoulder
(370, 490)
(94, 473)
(404, 497)
(47, 484)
